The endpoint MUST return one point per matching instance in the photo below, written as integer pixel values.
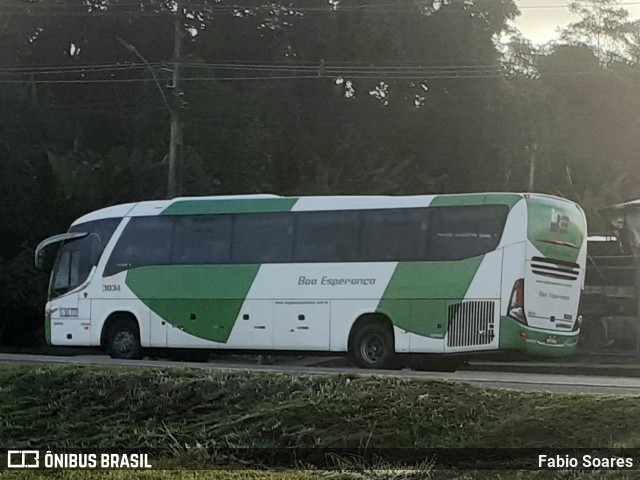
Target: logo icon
(23, 459)
(559, 222)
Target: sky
(540, 19)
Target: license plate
(552, 339)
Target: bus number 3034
(110, 288)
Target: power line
(296, 77)
(301, 70)
(74, 68)
(250, 64)
(265, 68)
(328, 69)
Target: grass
(181, 414)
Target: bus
(375, 277)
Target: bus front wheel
(124, 340)
(372, 347)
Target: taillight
(516, 303)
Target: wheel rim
(372, 348)
(124, 341)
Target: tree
(603, 26)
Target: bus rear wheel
(372, 347)
(124, 340)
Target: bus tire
(373, 347)
(123, 340)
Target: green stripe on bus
(552, 221)
(534, 342)
(201, 300)
(207, 207)
(509, 199)
(417, 296)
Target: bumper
(515, 336)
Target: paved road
(519, 381)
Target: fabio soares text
(585, 461)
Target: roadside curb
(590, 369)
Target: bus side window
(393, 235)
(202, 239)
(465, 231)
(327, 236)
(144, 241)
(263, 238)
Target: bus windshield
(78, 256)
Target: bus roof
(274, 203)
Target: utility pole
(175, 143)
(175, 139)
(532, 166)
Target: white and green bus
(374, 276)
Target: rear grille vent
(471, 323)
(549, 267)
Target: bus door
(71, 315)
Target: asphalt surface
(571, 382)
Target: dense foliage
(313, 97)
(181, 416)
